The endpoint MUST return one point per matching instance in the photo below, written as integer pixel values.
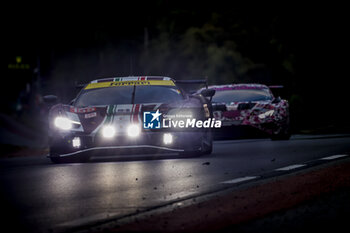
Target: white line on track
(287, 168)
(333, 157)
(238, 180)
(291, 167)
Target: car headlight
(133, 131)
(63, 123)
(76, 142)
(108, 131)
(266, 114)
(167, 138)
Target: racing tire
(206, 147)
(208, 151)
(284, 133)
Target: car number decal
(90, 115)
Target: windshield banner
(130, 83)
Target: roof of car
(130, 78)
(240, 86)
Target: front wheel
(283, 134)
(207, 143)
(205, 148)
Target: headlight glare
(108, 131)
(76, 143)
(167, 138)
(63, 123)
(133, 131)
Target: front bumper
(61, 144)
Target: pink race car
(253, 105)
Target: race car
(253, 106)
(129, 115)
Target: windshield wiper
(133, 95)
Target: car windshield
(246, 95)
(123, 95)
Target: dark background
(48, 49)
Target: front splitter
(118, 148)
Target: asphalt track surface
(38, 196)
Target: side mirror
(72, 101)
(276, 100)
(50, 99)
(219, 107)
(208, 92)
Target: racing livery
(253, 105)
(107, 117)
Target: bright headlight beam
(167, 138)
(63, 123)
(266, 114)
(108, 131)
(76, 143)
(133, 131)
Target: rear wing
(277, 90)
(192, 86)
(198, 81)
(276, 86)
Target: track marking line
(291, 167)
(238, 180)
(333, 157)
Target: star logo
(156, 115)
(152, 120)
